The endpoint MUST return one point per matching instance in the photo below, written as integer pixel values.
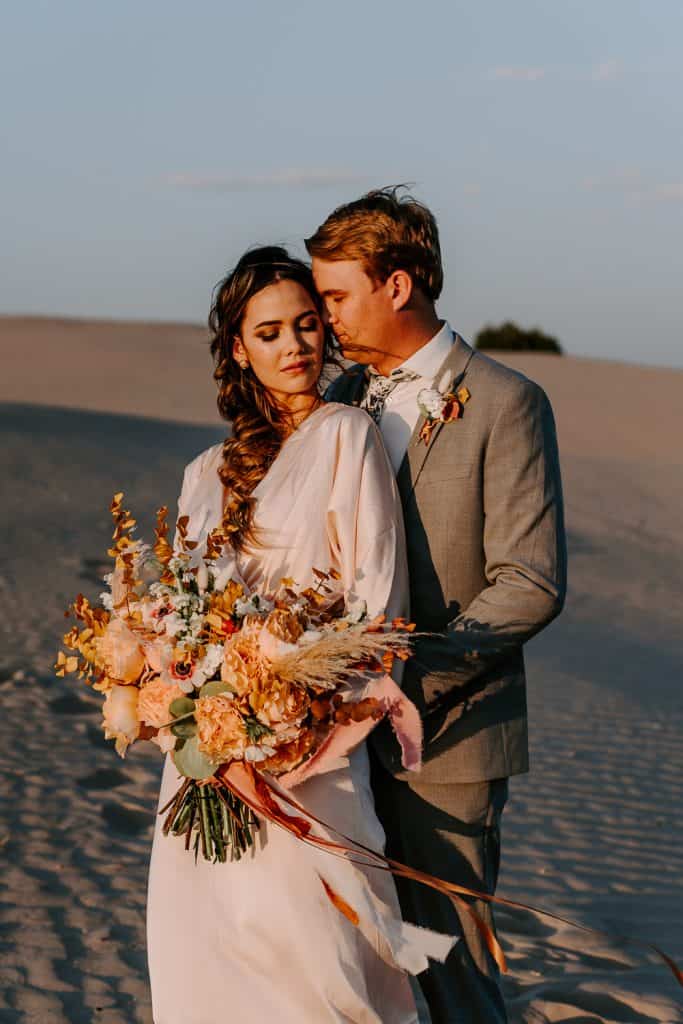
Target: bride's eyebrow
(278, 323)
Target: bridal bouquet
(189, 660)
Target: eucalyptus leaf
(184, 729)
(181, 706)
(214, 687)
(190, 761)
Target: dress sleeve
(191, 477)
(365, 521)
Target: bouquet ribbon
(265, 797)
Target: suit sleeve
(524, 549)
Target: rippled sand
(595, 832)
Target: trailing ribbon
(258, 791)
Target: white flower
(258, 753)
(107, 601)
(195, 623)
(212, 659)
(173, 624)
(202, 578)
(176, 565)
(253, 605)
(431, 403)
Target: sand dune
(595, 832)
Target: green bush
(511, 338)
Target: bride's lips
(297, 367)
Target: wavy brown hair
(259, 426)
(387, 230)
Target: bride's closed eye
(310, 323)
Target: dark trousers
(452, 831)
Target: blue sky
(145, 145)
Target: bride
(305, 484)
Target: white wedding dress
(258, 940)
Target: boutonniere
(440, 407)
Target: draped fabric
(259, 940)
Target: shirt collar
(427, 360)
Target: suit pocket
(442, 474)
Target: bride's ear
(239, 353)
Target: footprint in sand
(125, 819)
(102, 778)
(70, 704)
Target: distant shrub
(511, 338)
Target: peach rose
(153, 703)
(120, 652)
(220, 729)
(120, 717)
(280, 705)
(234, 670)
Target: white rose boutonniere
(439, 407)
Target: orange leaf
(342, 906)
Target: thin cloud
(519, 74)
(671, 193)
(631, 184)
(627, 180)
(292, 179)
(606, 71)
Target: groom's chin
(357, 355)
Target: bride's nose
(298, 342)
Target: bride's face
(282, 338)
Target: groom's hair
(386, 231)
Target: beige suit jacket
(483, 512)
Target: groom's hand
(524, 547)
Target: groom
(479, 479)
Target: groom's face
(359, 310)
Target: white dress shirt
(401, 411)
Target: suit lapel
(455, 365)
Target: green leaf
(184, 729)
(256, 729)
(214, 687)
(190, 761)
(181, 706)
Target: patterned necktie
(379, 388)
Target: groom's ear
(399, 287)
